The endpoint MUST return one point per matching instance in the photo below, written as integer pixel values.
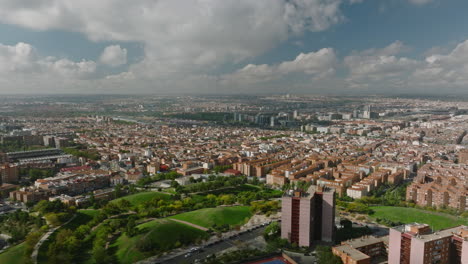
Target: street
(211, 249)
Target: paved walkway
(44, 238)
(112, 217)
(190, 224)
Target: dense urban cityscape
(225, 179)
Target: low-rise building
(363, 250)
(440, 184)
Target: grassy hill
(407, 215)
(207, 217)
(142, 197)
(14, 255)
(163, 234)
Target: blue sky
(245, 46)
(377, 23)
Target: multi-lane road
(208, 250)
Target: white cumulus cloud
(318, 64)
(114, 56)
(180, 37)
(386, 70)
(22, 69)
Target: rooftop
(352, 252)
(432, 235)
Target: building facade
(363, 250)
(418, 244)
(9, 173)
(440, 185)
(308, 216)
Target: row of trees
(18, 145)
(35, 174)
(265, 207)
(122, 216)
(273, 137)
(219, 168)
(348, 231)
(390, 195)
(213, 183)
(85, 153)
(172, 175)
(69, 245)
(55, 212)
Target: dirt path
(190, 224)
(44, 238)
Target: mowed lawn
(207, 217)
(165, 234)
(82, 217)
(142, 197)
(14, 255)
(407, 215)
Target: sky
(234, 47)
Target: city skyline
(233, 179)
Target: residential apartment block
(363, 250)
(440, 184)
(418, 244)
(308, 216)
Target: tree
(57, 219)
(118, 191)
(100, 254)
(255, 181)
(325, 256)
(272, 231)
(174, 184)
(357, 207)
(82, 231)
(65, 248)
(45, 207)
(346, 223)
(132, 189)
(131, 226)
(226, 199)
(31, 241)
(124, 205)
